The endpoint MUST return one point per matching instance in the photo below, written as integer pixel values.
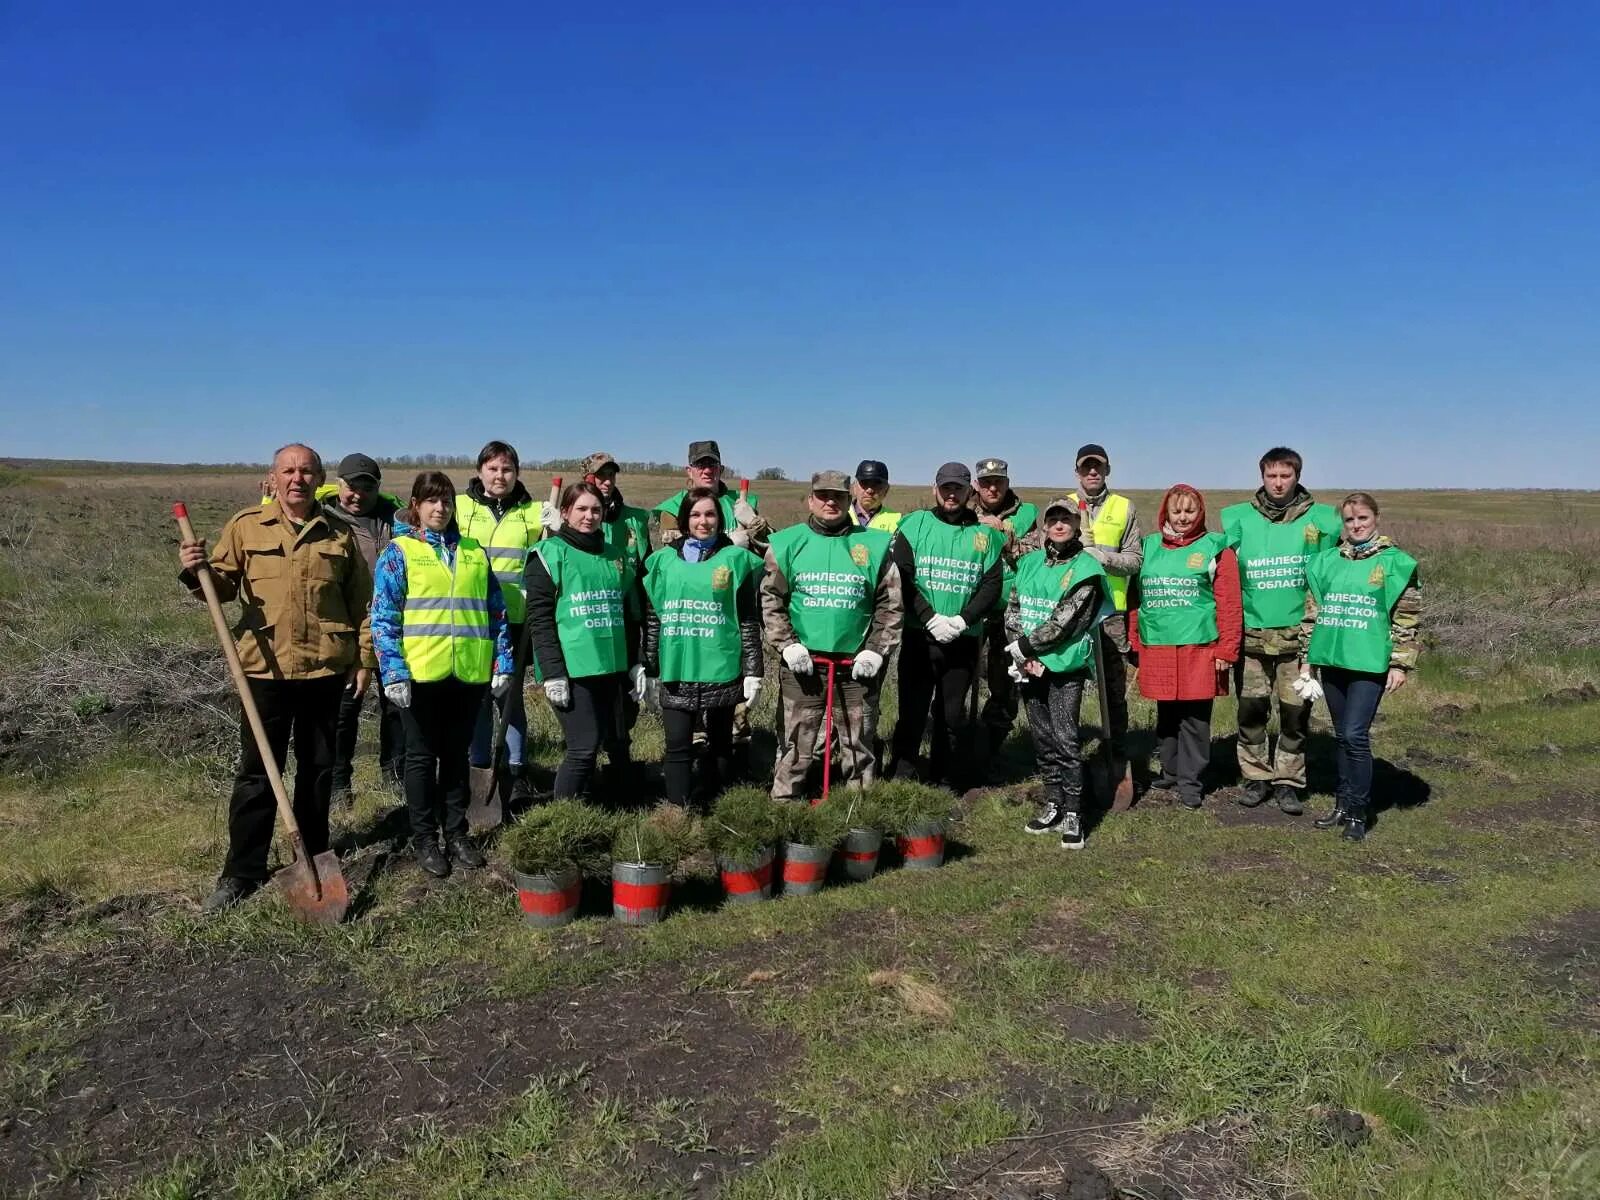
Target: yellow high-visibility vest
(505, 541)
(445, 624)
(1108, 529)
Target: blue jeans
(1353, 698)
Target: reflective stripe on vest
(1108, 529)
(445, 622)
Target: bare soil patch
(1566, 953)
(1578, 808)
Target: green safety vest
(833, 582)
(1354, 599)
(590, 591)
(726, 499)
(698, 605)
(630, 533)
(950, 560)
(1177, 601)
(1040, 584)
(1107, 531)
(1273, 557)
(1020, 524)
(445, 623)
(506, 541)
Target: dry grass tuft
(917, 997)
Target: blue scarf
(695, 549)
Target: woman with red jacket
(1186, 630)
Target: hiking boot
(430, 858)
(1049, 816)
(1254, 792)
(1333, 818)
(229, 892)
(1071, 832)
(1190, 799)
(1287, 798)
(465, 855)
(1355, 827)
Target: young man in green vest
(1112, 535)
(830, 591)
(1002, 510)
(869, 492)
(1275, 534)
(951, 577)
(745, 526)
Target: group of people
(451, 599)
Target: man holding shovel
(303, 588)
(831, 609)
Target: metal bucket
(922, 846)
(549, 900)
(859, 854)
(805, 868)
(639, 893)
(745, 882)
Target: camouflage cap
(993, 468)
(1065, 503)
(830, 481)
(597, 460)
(706, 449)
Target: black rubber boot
(430, 858)
(465, 855)
(1254, 792)
(1355, 825)
(1287, 798)
(228, 893)
(1333, 818)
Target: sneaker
(1050, 816)
(1355, 828)
(430, 858)
(464, 854)
(229, 892)
(1287, 798)
(1254, 792)
(1071, 832)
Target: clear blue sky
(815, 231)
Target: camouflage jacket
(1403, 619)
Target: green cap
(830, 481)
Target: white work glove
(957, 626)
(398, 693)
(935, 627)
(744, 513)
(868, 664)
(798, 659)
(636, 683)
(559, 693)
(1014, 649)
(1015, 672)
(945, 630)
(499, 686)
(652, 694)
(752, 686)
(549, 516)
(739, 537)
(1308, 688)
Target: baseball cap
(356, 466)
(1064, 502)
(870, 470)
(705, 449)
(953, 472)
(990, 468)
(597, 460)
(830, 481)
(1092, 450)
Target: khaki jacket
(303, 599)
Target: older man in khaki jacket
(303, 589)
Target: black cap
(953, 472)
(870, 470)
(705, 449)
(1092, 451)
(355, 466)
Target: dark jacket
(695, 697)
(918, 611)
(541, 593)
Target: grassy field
(1216, 1004)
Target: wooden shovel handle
(242, 685)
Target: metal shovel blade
(316, 891)
(484, 807)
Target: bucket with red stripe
(639, 893)
(922, 845)
(747, 881)
(805, 868)
(859, 854)
(549, 900)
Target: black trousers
(306, 713)
(940, 677)
(1053, 701)
(1183, 731)
(391, 737)
(438, 732)
(678, 762)
(593, 719)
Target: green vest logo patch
(1377, 577)
(980, 543)
(1196, 561)
(721, 579)
(1313, 535)
(859, 555)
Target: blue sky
(815, 231)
